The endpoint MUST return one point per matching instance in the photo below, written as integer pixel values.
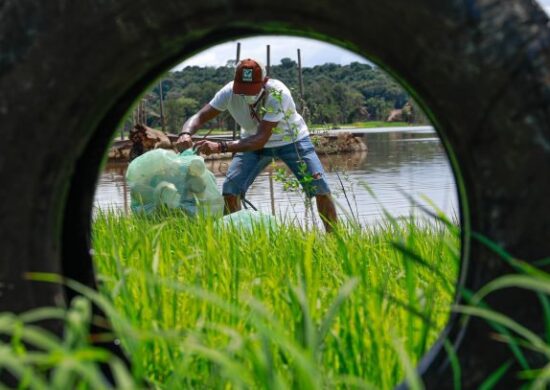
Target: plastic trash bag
(248, 220)
(164, 179)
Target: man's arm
(254, 142)
(193, 124)
(248, 144)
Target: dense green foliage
(333, 94)
(226, 307)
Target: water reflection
(397, 161)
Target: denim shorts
(300, 157)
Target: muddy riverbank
(328, 143)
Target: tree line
(333, 94)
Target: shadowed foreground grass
(274, 307)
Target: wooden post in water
(271, 189)
(308, 204)
(268, 62)
(140, 111)
(300, 83)
(301, 96)
(125, 195)
(143, 113)
(238, 58)
(306, 215)
(161, 101)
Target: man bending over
(271, 128)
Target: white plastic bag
(164, 179)
(248, 220)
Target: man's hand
(184, 142)
(207, 147)
(193, 124)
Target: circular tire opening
(388, 240)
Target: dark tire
(69, 71)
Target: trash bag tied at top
(164, 179)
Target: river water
(398, 163)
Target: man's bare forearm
(248, 144)
(192, 124)
(254, 142)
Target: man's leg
(327, 211)
(295, 156)
(242, 172)
(232, 203)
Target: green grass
(315, 126)
(360, 125)
(371, 124)
(214, 132)
(272, 308)
(223, 307)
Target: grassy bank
(360, 125)
(328, 126)
(224, 307)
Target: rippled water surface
(397, 164)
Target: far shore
(120, 147)
(313, 128)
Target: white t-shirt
(288, 130)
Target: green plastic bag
(248, 220)
(164, 179)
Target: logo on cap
(247, 75)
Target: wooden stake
(306, 215)
(162, 123)
(125, 194)
(143, 113)
(238, 58)
(140, 111)
(268, 62)
(271, 188)
(300, 82)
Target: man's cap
(249, 77)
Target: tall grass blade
(455, 364)
(542, 380)
(533, 283)
(495, 377)
(42, 314)
(410, 254)
(343, 294)
(545, 304)
(511, 340)
(507, 322)
(12, 362)
(518, 265)
(412, 377)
